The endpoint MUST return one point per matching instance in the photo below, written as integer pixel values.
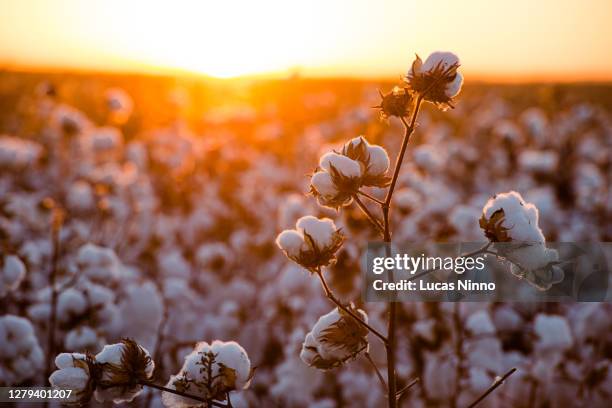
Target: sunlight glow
(546, 38)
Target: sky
(558, 40)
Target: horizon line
(167, 72)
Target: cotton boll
(11, 275)
(104, 140)
(80, 196)
(508, 131)
(292, 208)
(295, 383)
(335, 338)
(590, 186)
(322, 182)
(345, 166)
(534, 119)
(428, 157)
(17, 153)
(553, 333)
(454, 87)
(73, 374)
(115, 373)
(227, 364)
(70, 303)
(98, 263)
(480, 323)
(173, 263)
(538, 161)
(407, 200)
(215, 256)
(379, 160)
(21, 355)
(506, 318)
(141, 309)
(83, 338)
(291, 241)
(322, 231)
(479, 380)
(464, 218)
(444, 59)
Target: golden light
(547, 39)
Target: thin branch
(370, 216)
(183, 394)
(371, 197)
(378, 374)
(492, 388)
(409, 128)
(403, 391)
(335, 300)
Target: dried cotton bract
(334, 339)
(313, 243)
(436, 79)
(512, 223)
(210, 371)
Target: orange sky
(514, 40)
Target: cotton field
(180, 243)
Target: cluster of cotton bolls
(168, 237)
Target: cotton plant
(120, 371)
(511, 225)
(340, 180)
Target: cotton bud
(334, 339)
(373, 159)
(124, 367)
(210, 371)
(512, 225)
(12, 272)
(76, 372)
(395, 103)
(313, 243)
(437, 79)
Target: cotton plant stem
(369, 214)
(492, 388)
(335, 300)
(386, 205)
(377, 371)
(183, 394)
